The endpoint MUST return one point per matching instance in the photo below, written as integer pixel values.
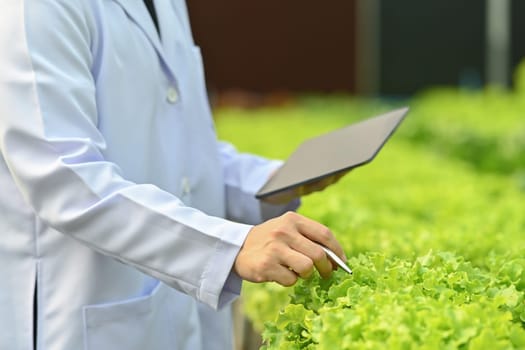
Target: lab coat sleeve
(244, 175)
(54, 151)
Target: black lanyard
(153, 13)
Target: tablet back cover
(334, 152)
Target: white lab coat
(112, 180)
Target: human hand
(307, 188)
(286, 248)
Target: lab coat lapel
(137, 11)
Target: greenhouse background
(434, 227)
(360, 46)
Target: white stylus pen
(338, 261)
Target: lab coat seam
(34, 84)
(36, 233)
(96, 47)
(34, 89)
(216, 295)
(202, 278)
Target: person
(124, 222)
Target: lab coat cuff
(232, 289)
(220, 284)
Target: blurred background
(364, 47)
(453, 176)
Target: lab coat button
(172, 96)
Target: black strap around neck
(153, 13)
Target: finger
(321, 234)
(305, 255)
(284, 276)
(324, 266)
(299, 263)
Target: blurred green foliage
(447, 189)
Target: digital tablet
(333, 153)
